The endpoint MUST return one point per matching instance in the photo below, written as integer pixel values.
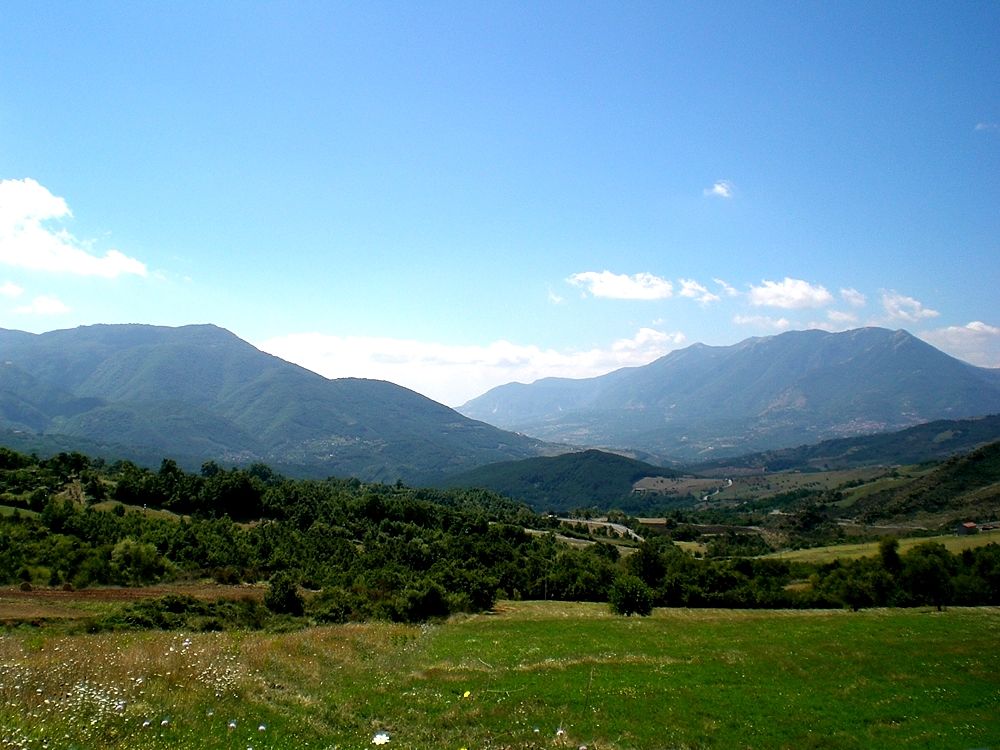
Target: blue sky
(453, 196)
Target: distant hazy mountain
(763, 393)
(199, 392)
(558, 483)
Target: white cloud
(453, 374)
(988, 126)
(900, 307)
(622, 286)
(43, 305)
(10, 290)
(28, 239)
(762, 321)
(648, 340)
(721, 189)
(694, 290)
(978, 327)
(789, 294)
(729, 291)
(554, 298)
(975, 342)
(853, 297)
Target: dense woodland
(338, 550)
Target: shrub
(630, 595)
(182, 612)
(334, 604)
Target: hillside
(559, 483)
(198, 392)
(931, 441)
(763, 393)
(964, 487)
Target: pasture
(529, 675)
(725, 490)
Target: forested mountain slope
(559, 483)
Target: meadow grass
(530, 675)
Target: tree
(888, 550)
(283, 596)
(630, 595)
(647, 562)
(927, 573)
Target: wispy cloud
(789, 294)
(836, 316)
(453, 374)
(10, 290)
(721, 189)
(28, 239)
(836, 320)
(763, 321)
(980, 126)
(853, 297)
(692, 289)
(900, 307)
(622, 286)
(554, 298)
(727, 289)
(976, 342)
(43, 305)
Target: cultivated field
(952, 542)
(530, 675)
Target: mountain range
(198, 393)
(703, 401)
(923, 443)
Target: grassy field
(952, 542)
(530, 675)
